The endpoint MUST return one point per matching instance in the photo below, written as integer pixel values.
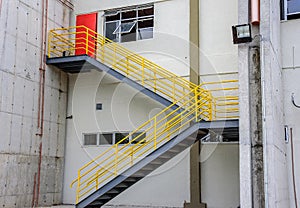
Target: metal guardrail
(208, 101)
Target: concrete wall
(275, 149)
(20, 45)
(290, 49)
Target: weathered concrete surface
(20, 46)
(272, 145)
(275, 149)
(257, 164)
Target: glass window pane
(90, 139)
(129, 14)
(120, 136)
(110, 13)
(109, 30)
(106, 139)
(125, 27)
(136, 137)
(145, 33)
(145, 23)
(146, 12)
(293, 6)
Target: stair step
(165, 156)
(151, 167)
(156, 162)
(113, 191)
(175, 150)
(183, 145)
(132, 179)
(125, 184)
(105, 197)
(96, 203)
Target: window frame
(135, 19)
(113, 138)
(284, 14)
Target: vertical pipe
(34, 191)
(41, 100)
(39, 175)
(293, 168)
(0, 6)
(255, 12)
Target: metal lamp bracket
(293, 101)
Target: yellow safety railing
(148, 137)
(192, 103)
(225, 99)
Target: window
(129, 24)
(105, 139)
(96, 139)
(290, 9)
(90, 139)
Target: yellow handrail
(190, 103)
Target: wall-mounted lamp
(241, 33)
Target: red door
(85, 38)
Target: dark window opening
(121, 136)
(106, 139)
(130, 24)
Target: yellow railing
(152, 76)
(208, 101)
(148, 137)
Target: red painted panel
(85, 39)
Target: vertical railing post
(115, 55)
(116, 160)
(210, 106)
(49, 43)
(143, 72)
(102, 49)
(155, 80)
(196, 104)
(97, 180)
(87, 42)
(127, 66)
(131, 156)
(78, 187)
(173, 89)
(155, 133)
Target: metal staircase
(190, 111)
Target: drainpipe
(41, 98)
(255, 11)
(42, 69)
(0, 6)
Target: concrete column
(195, 166)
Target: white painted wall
(169, 46)
(220, 175)
(124, 109)
(291, 73)
(218, 53)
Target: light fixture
(241, 33)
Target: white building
(56, 118)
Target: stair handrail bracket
(190, 103)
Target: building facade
(56, 117)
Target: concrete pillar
(195, 166)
